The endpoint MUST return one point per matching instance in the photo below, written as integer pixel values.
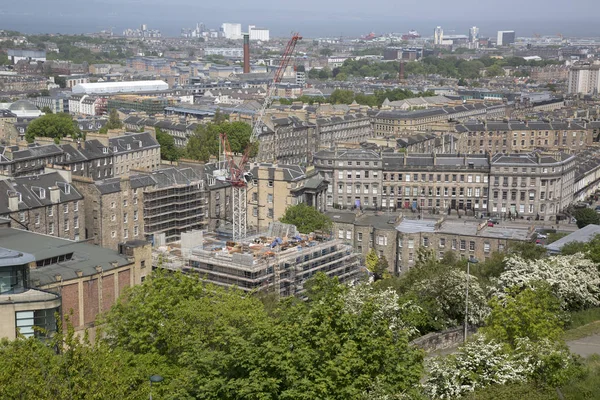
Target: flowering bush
(477, 364)
(574, 279)
(481, 363)
(449, 290)
(386, 306)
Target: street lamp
(154, 379)
(469, 261)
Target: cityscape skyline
(354, 19)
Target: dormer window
(128, 146)
(115, 149)
(105, 150)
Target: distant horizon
(29, 24)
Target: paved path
(586, 346)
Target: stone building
(524, 136)
(138, 151)
(46, 204)
(276, 187)
(114, 210)
(354, 175)
(387, 123)
(287, 141)
(32, 160)
(531, 185)
(343, 128)
(466, 239)
(219, 208)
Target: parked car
(542, 236)
(494, 221)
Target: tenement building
(343, 128)
(512, 185)
(523, 136)
(531, 185)
(287, 141)
(46, 204)
(276, 187)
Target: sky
(312, 18)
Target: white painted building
(261, 34)
(438, 35)
(231, 30)
(120, 87)
(584, 78)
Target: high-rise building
(473, 34)
(438, 35)
(261, 34)
(584, 78)
(231, 30)
(505, 38)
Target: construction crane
(235, 173)
(277, 77)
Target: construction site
(278, 261)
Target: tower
(438, 36)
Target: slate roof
(290, 172)
(35, 191)
(136, 141)
(583, 235)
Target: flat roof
(85, 257)
(582, 235)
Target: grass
(583, 323)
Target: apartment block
(276, 187)
(287, 141)
(47, 204)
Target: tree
(494, 70)
(204, 143)
(46, 110)
(306, 218)
(324, 73)
(56, 126)
(44, 92)
(342, 76)
(341, 96)
(533, 313)
(586, 216)
(114, 122)
(60, 81)
(326, 52)
(573, 279)
(168, 150)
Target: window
(270, 198)
(340, 233)
(471, 246)
(411, 243)
(135, 231)
(75, 222)
(66, 225)
(442, 242)
(113, 217)
(50, 211)
(21, 216)
(125, 217)
(113, 204)
(348, 234)
(25, 322)
(382, 240)
(113, 234)
(66, 208)
(425, 242)
(270, 184)
(135, 215)
(270, 213)
(463, 245)
(255, 211)
(486, 247)
(76, 206)
(359, 236)
(51, 228)
(125, 234)
(125, 203)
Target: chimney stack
(13, 201)
(246, 53)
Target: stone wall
(442, 340)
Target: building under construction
(281, 260)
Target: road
(585, 346)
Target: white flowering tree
(481, 363)
(385, 303)
(449, 291)
(477, 364)
(575, 280)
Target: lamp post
(469, 261)
(154, 379)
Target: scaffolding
(282, 269)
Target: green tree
(326, 52)
(204, 143)
(60, 81)
(372, 260)
(586, 216)
(341, 96)
(342, 76)
(325, 73)
(44, 92)
(56, 126)
(532, 313)
(306, 218)
(168, 150)
(494, 70)
(46, 110)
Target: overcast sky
(311, 17)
